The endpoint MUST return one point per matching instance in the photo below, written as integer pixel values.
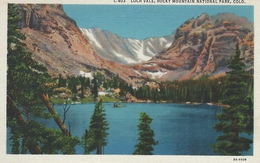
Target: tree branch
(65, 110)
(46, 101)
(15, 113)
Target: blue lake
(180, 129)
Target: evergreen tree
(20, 77)
(146, 134)
(61, 82)
(84, 144)
(96, 137)
(26, 84)
(237, 116)
(94, 90)
(83, 85)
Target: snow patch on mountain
(150, 65)
(137, 72)
(157, 74)
(168, 45)
(125, 50)
(124, 59)
(92, 39)
(86, 74)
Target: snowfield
(86, 74)
(157, 74)
(125, 50)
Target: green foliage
(15, 138)
(58, 142)
(84, 144)
(146, 134)
(94, 90)
(202, 90)
(52, 141)
(26, 81)
(228, 144)
(237, 116)
(72, 84)
(117, 82)
(109, 99)
(83, 82)
(23, 73)
(96, 137)
(61, 82)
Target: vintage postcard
(130, 81)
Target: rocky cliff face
(204, 46)
(56, 42)
(200, 46)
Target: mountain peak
(125, 50)
(241, 21)
(205, 46)
(199, 46)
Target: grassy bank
(85, 100)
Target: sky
(143, 21)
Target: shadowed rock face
(56, 42)
(204, 47)
(54, 39)
(200, 46)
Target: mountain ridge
(200, 46)
(125, 50)
(204, 47)
(55, 41)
